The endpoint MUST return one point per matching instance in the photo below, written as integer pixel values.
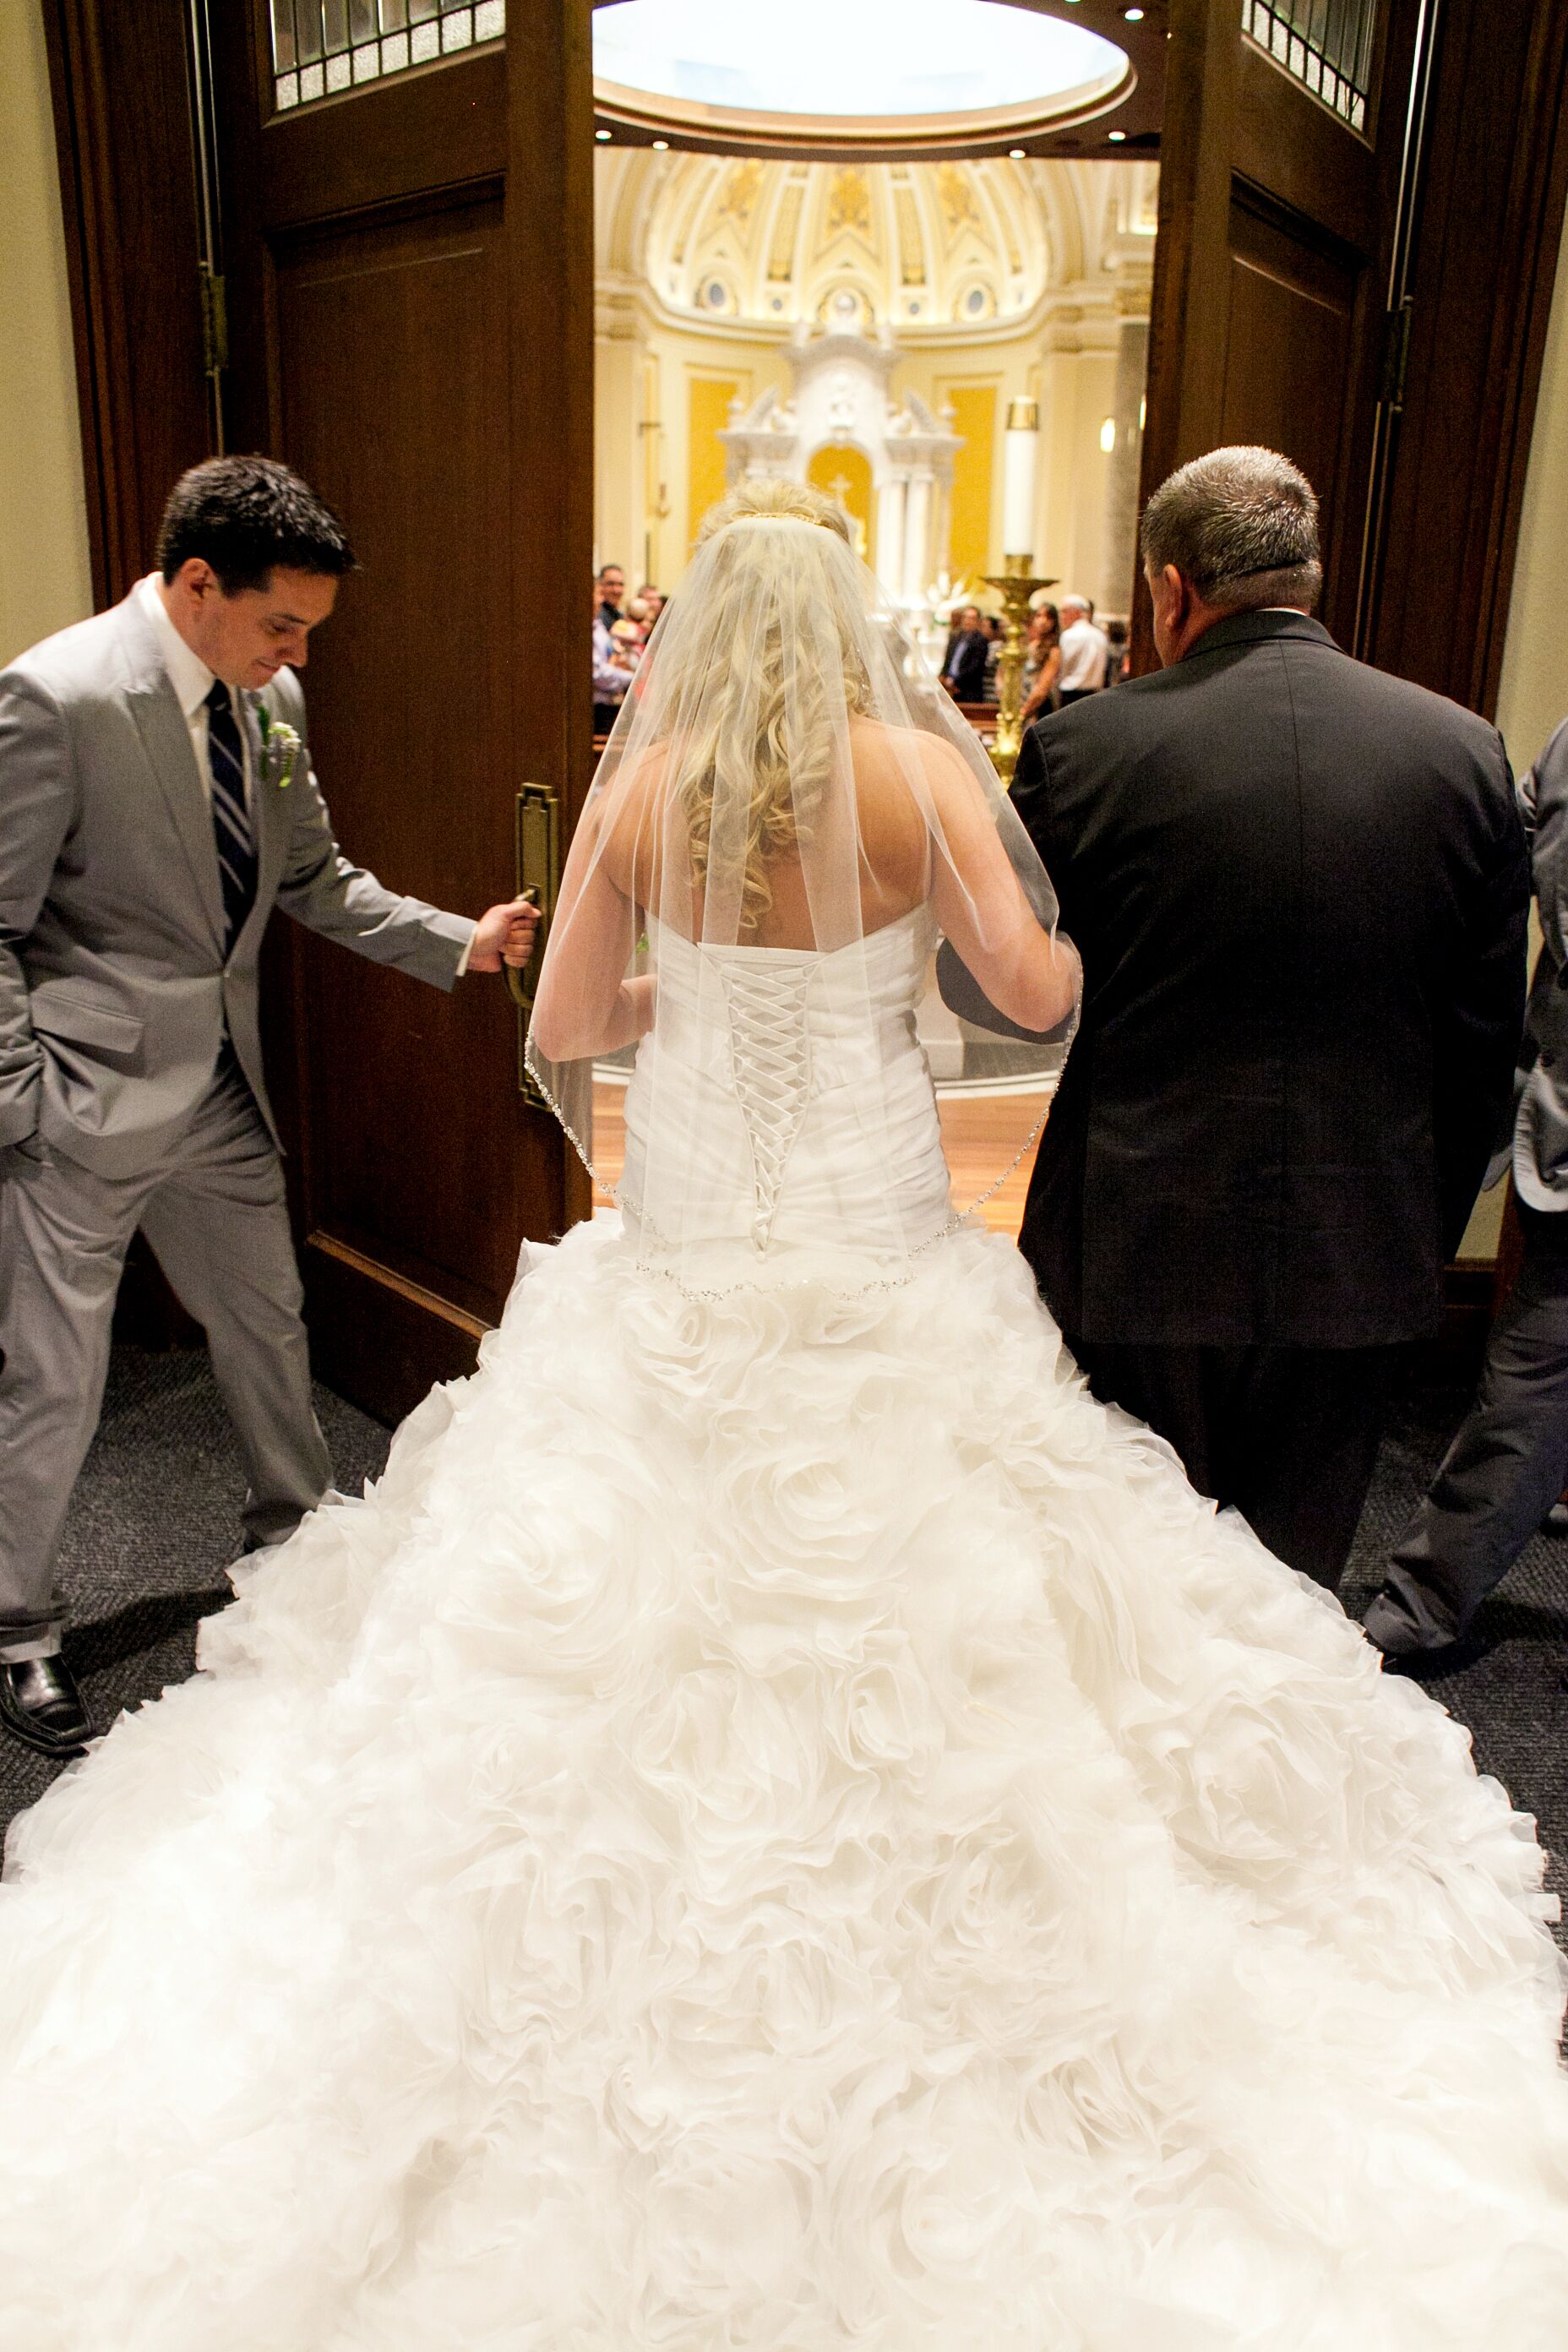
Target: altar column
(917, 538)
(891, 531)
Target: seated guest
(968, 649)
(612, 672)
(611, 588)
(1085, 651)
(1509, 1462)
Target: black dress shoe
(41, 1707)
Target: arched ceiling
(928, 249)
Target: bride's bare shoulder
(889, 760)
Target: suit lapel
(166, 741)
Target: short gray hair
(1240, 525)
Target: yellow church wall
(45, 578)
(659, 415)
(973, 529)
(663, 399)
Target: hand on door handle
(506, 935)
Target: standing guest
(611, 589)
(968, 649)
(1509, 1462)
(156, 803)
(1300, 888)
(1085, 651)
(611, 673)
(1116, 658)
(996, 638)
(652, 601)
(1042, 663)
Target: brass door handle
(538, 824)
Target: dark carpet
(154, 1523)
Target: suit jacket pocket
(63, 1012)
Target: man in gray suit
(156, 803)
(1509, 1461)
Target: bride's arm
(1033, 979)
(585, 1005)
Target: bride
(779, 1823)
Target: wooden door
(1282, 169)
(409, 276)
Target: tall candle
(1020, 463)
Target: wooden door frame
(120, 81)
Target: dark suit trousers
(1506, 1468)
(1287, 1436)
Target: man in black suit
(968, 649)
(1300, 889)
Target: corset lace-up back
(785, 1105)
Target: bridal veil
(785, 782)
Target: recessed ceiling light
(883, 69)
(1133, 16)
(1117, 136)
(601, 135)
(1018, 153)
(661, 146)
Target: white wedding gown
(780, 1826)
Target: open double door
(409, 272)
(388, 282)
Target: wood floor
(980, 1137)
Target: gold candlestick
(1017, 584)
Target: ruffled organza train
(780, 1824)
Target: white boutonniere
(280, 748)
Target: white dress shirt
(192, 682)
(1086, 650)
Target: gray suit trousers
(1504, 1470)
(212, 1207)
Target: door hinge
(1396, 353)
(215, 322)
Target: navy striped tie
(231, 818)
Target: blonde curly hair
(775, 731)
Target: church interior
(523, 289)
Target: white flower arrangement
(280, 748)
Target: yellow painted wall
(45, 579)
(677, 385)
(975, 473)
(709, 399)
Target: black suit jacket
(965, 668)
(1300, 888)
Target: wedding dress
(778, 1824)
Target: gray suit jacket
(114, 993)
(1540, 1128)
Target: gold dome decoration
(908, 246)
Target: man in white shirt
(156, 803)
(1085, 651)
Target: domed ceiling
(918, 247)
